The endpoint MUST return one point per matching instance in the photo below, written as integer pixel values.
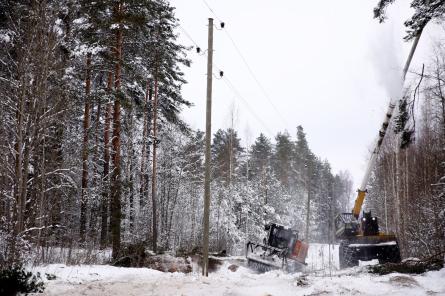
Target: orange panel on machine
(300, 251)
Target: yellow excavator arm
(382, 132)
(358, 203)
(361, 239)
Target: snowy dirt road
(323, 280)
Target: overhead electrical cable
(249, 108)
(188, 35)
(211, 10)
(234, 90)
(251, 72)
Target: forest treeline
(94, 153)
(91, 97)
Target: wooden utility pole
(207, 152)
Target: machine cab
(279, 236)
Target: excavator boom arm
(358, 203)
(382, 132)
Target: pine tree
(85, 149)
(424, 11)
(226, 149)
(282, 159)
(260, 156)
(306, 166)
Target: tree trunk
(153, 177)
(86, 126)
(96, 141)
(105, 181)
(131, 171)
(41, 239)
(19, 203)
(95, 206)
(308, 214)
(442, 102)
(144, 156)
(308, 205)
(116, 143)
(172, 210)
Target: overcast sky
(325, 65)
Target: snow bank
(322, 277)
(108, 280)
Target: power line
(211, 10)
(230, 85)
(249, 108)
(256, 79)
(251, 72)
(188, 35)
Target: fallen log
(412, 266)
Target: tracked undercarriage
(363, 241)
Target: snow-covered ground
(322, 279)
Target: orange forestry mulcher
(281, 249)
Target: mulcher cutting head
(260, 266)
(281, 249)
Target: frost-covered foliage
(59, 145)
(271, 182)
(407, 190)
(424, 11)
(78, 81)
(44, 107)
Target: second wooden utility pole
(205, 247)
